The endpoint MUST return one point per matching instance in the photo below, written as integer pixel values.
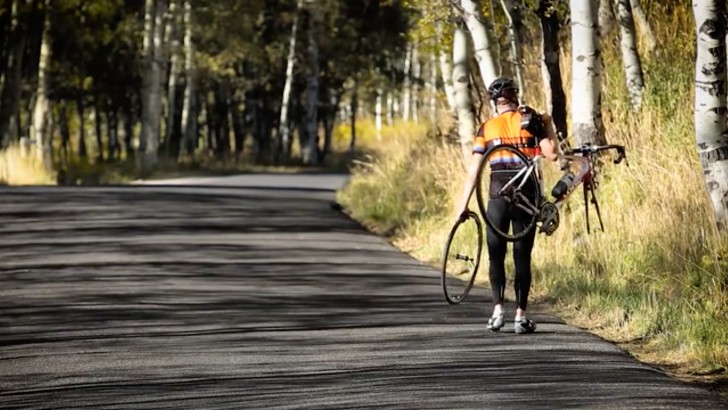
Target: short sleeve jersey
(506, 129)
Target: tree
(446, 72)
(479, 31)
(309, 148)
(189, 106)
(630, 55)
(284, 128)
(711, 132)
(510, 8)
(42, 104)
(551, 67)
(461, 81)
(586, 73)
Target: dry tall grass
(657, 279)
(16, 168)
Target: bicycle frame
(585, 176)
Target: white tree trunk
(189, 106)
(644, 25)
(479, 32)
(41, 111)
(630, 55)
(586, 63)
(407, 86)
(432, 88)
(515, 43)
(416, 76)
(378, 114)
(284, 128)
(390, 108)
(155, 88)
(446, 74)
(148, 55)
(461, 80)
(310, 149)
(174, 49)
(711, 133)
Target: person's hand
(462, 215)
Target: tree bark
(644, 25)
(129, 132)
(189, 106)
(82, 149)
(416, 80)
(466, 117)
(586, 74)
(711, 133)
(354, 108)
(10, 96)
(98, 126)
(432, 88)
(284, 127)
(42, 103)
(309, 151)
(630, 55)
(151, 93)
(479, 31)
(551, 67)
(446, 74)
(65, 132)
(407, 84)
(174, 51)
(113, 133)
(238, 123)
(513, 16)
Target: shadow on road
(229, 297)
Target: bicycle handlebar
(593, 149)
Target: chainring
(549, 218)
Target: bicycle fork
(589, 188)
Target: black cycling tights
(501, 215)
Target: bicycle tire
(451, 296)
(490, 153)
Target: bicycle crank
(549, 218)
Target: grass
(17, 168)
(657, 280)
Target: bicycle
(457, 263)
(541, 212)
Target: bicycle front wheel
(461, 258)
(508, 176)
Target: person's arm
(470, 180)
(548, 145)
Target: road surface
(252, 292)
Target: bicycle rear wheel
(500, 167)
(461, 258)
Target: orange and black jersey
(506, 129)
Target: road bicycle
(524, 190)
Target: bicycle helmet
(503, 88)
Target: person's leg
(497, 246)
(522, 259)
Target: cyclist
(505, 128)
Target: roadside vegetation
(656, 281)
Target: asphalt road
(256, 294)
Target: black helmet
(503, 87)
